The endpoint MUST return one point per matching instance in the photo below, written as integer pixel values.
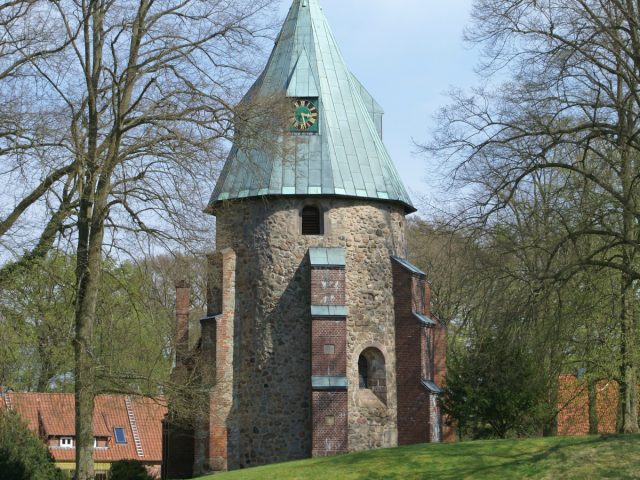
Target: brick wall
(221, 398)
(329, 409)
(418, 294)
(439, 375)
(329, 423)
(178, 445)
(177, 452)
(328, 286)
(440, 354)
(421, 353)
(573, 406)
(413, 399)
(328, 333)
(183, 306)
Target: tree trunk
(88, 274)
(628, 323)
(628, 369)
(88, 277)
(550, 428)
(593, 408)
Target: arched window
(311, 221)
(372, 373)
(363, 372)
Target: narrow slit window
(363, 372)
(311, 221)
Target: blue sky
(408, 53)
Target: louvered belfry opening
(311, 221)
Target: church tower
(319, 337)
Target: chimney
(183, 303)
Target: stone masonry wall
(270, 419)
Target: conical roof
(346, 157)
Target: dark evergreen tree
(495, 388)
(23, 456)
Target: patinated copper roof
(346, 157)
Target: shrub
(494, 389)
(23, 456)
(129, 470)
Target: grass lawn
(560, 458)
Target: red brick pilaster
(221, 398)
(329, 402)
(413, 401)
(330, 423)
(420, 357)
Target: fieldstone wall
(270, 419)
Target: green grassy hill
(560, 458)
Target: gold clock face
(305, 116)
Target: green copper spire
(346, 157)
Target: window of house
(329, 349)
(330, 420)
(66, 442)
(118, 433)
(311, 221)
(101, 476)
(100, 442)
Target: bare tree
(115, 116)
(570, 105)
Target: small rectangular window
(118, 432)
(330, 420)
(66, 442)
(311, 221)
(329, 349)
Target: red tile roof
(53, 415)
(147, 412)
